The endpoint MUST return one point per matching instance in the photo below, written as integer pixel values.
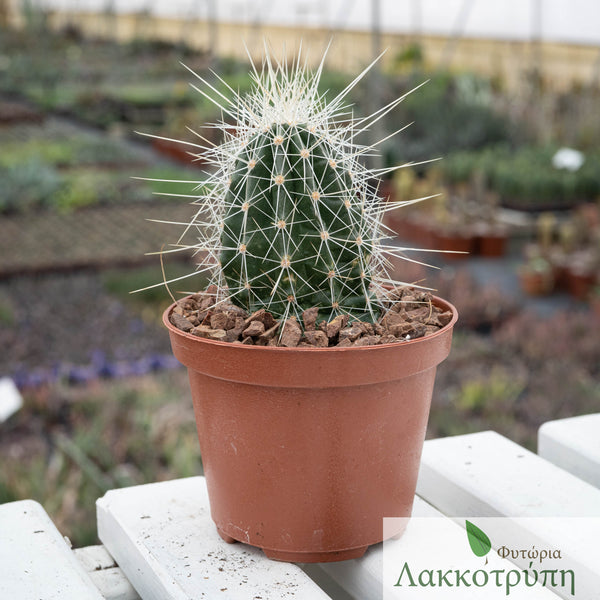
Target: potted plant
(311, 375)
(536, 276)
(455, 239)
(491, 239)
(490, 233)
(581, 273)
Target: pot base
(225, 537)
(303, 557)
(315, 557)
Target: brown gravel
(411, 315)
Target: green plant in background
(121, 433)
(119, 283)
(450, 113)
(7, 311)
(27, 185)
(291, 219)
(79, 192)
(52, 152)
(525, 177)
(171, 182)
(67, 152)
(410, 57)
(491, 395)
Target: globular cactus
(291, 219)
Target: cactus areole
(290, 218)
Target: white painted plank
(37, 563)
(485, 474)
(105, 574)
(164, 540)
(10, 398)
(113, 585)
(363, 578)
(95, 558)
(574, 445)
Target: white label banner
(486, 558)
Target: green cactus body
(294, 232)
(288, 219)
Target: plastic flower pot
(457, 245)
(306, 450)
(580, 282)
(490, 241)
(176, 151)
(536, 283)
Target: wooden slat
(164, 540)
(37, 563)
(485, 474)
(364, 578)
(106, 575)
(574, 445)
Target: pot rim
(304, 349)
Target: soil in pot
(415, 316)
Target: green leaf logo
(479, 542)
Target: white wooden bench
(574, 445)
(163, 540)
(36, 560)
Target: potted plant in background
(311, 373)
(536, 276)
(491, 235)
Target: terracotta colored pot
(491, 245)
(305, 450)
(580, 282)
(418, 231)
(535, 283)
(560, 273)
(450, 242)
(394, 221)
(177, 151)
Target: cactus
(291, 219)
(295, 234)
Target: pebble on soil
(411, 315)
